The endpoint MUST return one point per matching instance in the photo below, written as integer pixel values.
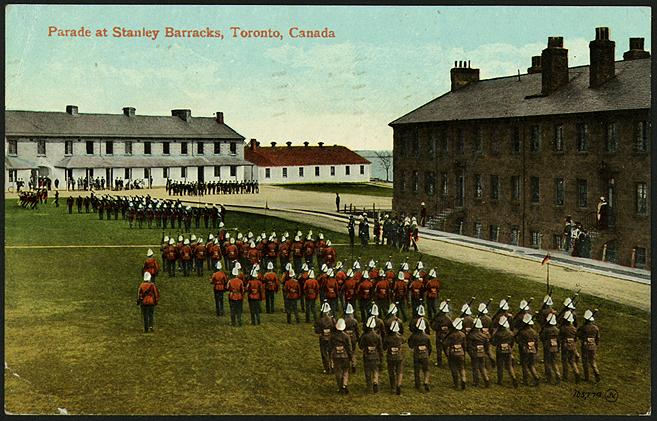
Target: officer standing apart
(147, 297)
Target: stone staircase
(437, 222)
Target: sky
(382, 63)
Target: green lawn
(73, 333)
(366, 189)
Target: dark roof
(281, 156)
(46, 123)
(111, 161)
(505, 97)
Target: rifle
(563, 310)
(499, 310)
(469, 304)
(479, 313)
(451, 326)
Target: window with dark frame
(535, 239)
(217, 148)
(347, 170)
(233, 148)
(166, 148)
(515, 235)
(535, 188)
(479, 140)
(558, 138)
(183, 172)
(494, 232)
(478, 230)
(284, 172)
(612, 137)
(641, 137)
(267, 172)
(640, 257)
(416, 182)
(200, 148)
(90, 147)
(515, 187)
(362, 170)
(445, 185)
(146, 173)
(332, 171)
(559, 191)
(402, 181)
(12, 147)
(641, 198)
(217, 170)
(582, 193)
(316, 171)
(147, 148)
(494, 187)
(68, 147)
(233, 170)
(429, 183)
(165, 172)
(127, 173)
(128, 147)
(41, 147)
(109, 148)
(582, 137)
(535, 143)
(183, 148)
(301, 172)
(478, 189)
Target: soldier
(503, 340)
(310, 291)
(527, 340)
(351, 228)
(392, 344)
(416, 289)
(419, 315)
(324, 327)
(231, 254)
(364, 292)
(546, 309)
(341, 352)
(292, 291)
(391, 317)
(214, 252)
(69, 204)
(309, 250)
(550, 339)
(329, 255)
(503, 310)
(372, 347)
(199, 254)
(380, 327)
(186, 257)
(441, 324)
(235, 289)
(284, 251)
(589, 336)
(478, 348)
(271, 288)
(349, 289)
(432, 288)
(454, 345)
(364, 231)
(340, 277)
(468, 321)
(331, 290)
(517, 322)
(256, 293)
(568, 345)
(148, 297)
(400, 293)
(382, 291)
(420, 343)
(297, 253)
(151, 265)
(219, 280)
(172, 256)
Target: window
(558, 138)
(494, 232)
(402, 181)
(233, 170)
(13, 147)
(416, 144)
(582, 135)
(199, 148)
(347, 170)
(559, 191)
(90, 147)
(641, 198)
(284, 172)
(217, 171)
(478, 190)
(166, 148)
(147, 148)
(301, 171)
(128, 173)
(183, 172)
(460, 189)
(41, 147)
(582, 193)
(460, 141)
(233, 148)
(612, 137)
(146, 173)
(362, 170)
(13, 175)
(536, 239)
(556, 242)
(640, 257)
(515, 140)
(69, 173)
(128, 148)
(68, 147)
(641, 137)
(109, 148)
(534, 185)
(515, 187)
(494, 187)
(431, 147)
(416, 182)
(445, 142)
(535, 143)
(165, 173)
(478, 230)
(515, 235)
(316, 171)
(444, 190)
(479, 140)
(429, 183)
(267, 172)
(183, 148)
(217, 148)
(332, 171)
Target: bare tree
(386, 161)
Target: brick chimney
(220, 117)
(72, 109)
(536, 65)
(636, 50)
(289, 144)
(273, 144)
(128, 111)
(253, 144)
(462, 75)
(306, 143)
(321, 144)
(554, 66)
(183, 114)
(602, 51)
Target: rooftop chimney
(602, 66)
(184, 114)
(220, 117)
(554, 66)
(321, 144)
(288, 143)
(72, 109)
(306, 143)
(273, 144)
(636, 50)
(536, 65)
(253, 144)
(463, 75)
(129, 111)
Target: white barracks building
(63, 145)
(306, 164)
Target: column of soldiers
(30, 199)
(200, 188)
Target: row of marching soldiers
(475, 336)
(31, 198)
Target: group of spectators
(201, 188)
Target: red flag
(546, 259)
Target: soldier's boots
(399, 390)
(486, 383)
(353, 369)
(426, 387)
(375, 388)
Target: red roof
(282, 156)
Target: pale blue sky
(383, 62)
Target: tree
(385, 157)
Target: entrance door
(201, 174)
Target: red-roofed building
(306, 164)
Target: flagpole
(548, 277)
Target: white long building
(306, 164)
(63, 145)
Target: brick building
(127, 146)
(506, 159)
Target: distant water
(377, 170)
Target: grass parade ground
(74, 335)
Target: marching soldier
(441, 324)
(331, 290)
(148, 297)
(200, 253)
(231, 254)
(292, 292)
(400, 292)
(568, 345)
(256, 293)
(353, 331)
(503, 310)
(219, 280)
(329, 254)
(550, 338)
(454, 344)
(235, 297)
(392, 344)
(151, 265)
(186, 257)
(372, 347)
(517, 322)
(324, 327)
(284, 251)
(478, 349)
(503, 340)
(349, 288)
(171, 253)
(364, 292)
(341, 352)
(417, 291)
(527, 340)
(69, 204)
(589, 336)
(420, 343)
(297, 253)
(433, 292)
(468, 321)
(340, 278)
(271, 287)
(310, 291)
(351, 228)
(309, 250)
(380, 327)
(382, 291)
(392, 317)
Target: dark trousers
(421, 370)
(325, 352)
(479, 368)
(432, 303)
(297, 262)
(147, 312)
(199, 267)
(333, 302)
(528, 364)
(504, 362)
(269, 301)
(395, 372)
(363, 304)
(402, 309)
(254, 309)
(235, 312)
(291, 306)
(457, 367)
(187, 267)
(171, 267)
(219, 302)
(311, 309)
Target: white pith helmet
(478, 324)
(482, 308)
(235, 271)
(421, 324)
(504, 322)
(311, 274)
(291, 273)
(504, 304)
(371, 322)
(270, 266)
(326, 308)
(366, 275)
(466, 309)
(551, 319)
(523, 305)
(186, 242)
(388, 265)
(392, 309)
(420, 310)
(166, 239)
(400, 276)
(375, 310)
(147, 276)
(568, 316)
(432, 273)
(568, 303)
(349, 309)
(547, 300)
(394, 326)
(149, 253)
(218, 266)
(371, 264)
(172, 241)
(457, 323)
(588, 315)
(340, 325)
(527, 319)
(444, 307)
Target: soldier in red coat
(365, 293)
(311, 292)
(292, 292)
(400, 293)
(235, 290)
(382, 291)
(340, 277)
(151, 265)
(219, 280)
(256, 292)
(349, 289)
(433, 291)
(329, 255)
(271, 287)
(331, 290)
(186, 257)
(231, 254)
